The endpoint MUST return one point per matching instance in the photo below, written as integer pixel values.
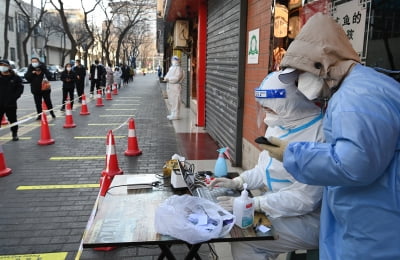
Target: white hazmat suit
(174, 77)
(292, 207)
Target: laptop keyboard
(213, 194)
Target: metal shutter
(225, 71)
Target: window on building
(10, 24)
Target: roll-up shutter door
(223, 107)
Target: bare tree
(61, 11)
(31, 26)
(6, 23)
(134, 15)
(88, 43)
(51, 26)
(106, 36)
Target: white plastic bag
(192, 219)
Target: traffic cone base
(4, 120)
(45, 138)
(112, 167)
(133, 147)
(4, 171)
(84, 107)
(69, 121)
(115, 89)
(108, 93)
(99, 102)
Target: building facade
(228, 46)
(49, 48)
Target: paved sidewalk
(52, 219)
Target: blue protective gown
(359, 165)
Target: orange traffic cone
(4, 171)
(44, 106)
(84, 108)
(4, 120)
(115, 89)
(69, 121)
(112, 167)
(133, 147)
(99, 99)
(45, 137)
(108, 93)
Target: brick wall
(259, 16)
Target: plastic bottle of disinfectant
(243, 209)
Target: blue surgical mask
(35, 64)
(3, 68)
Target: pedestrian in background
(174, 79)
(68, 77)
(80, 71)
(117, 77)
(11, 88)
(34, 75)
(109, 76)
(97, 74)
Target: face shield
(264, 95)
(175, 60)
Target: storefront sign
(254, 46)
(352, 16)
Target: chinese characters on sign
(352, 16)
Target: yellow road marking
(20, 138)
(58, 186)
(117, 109)
(115, 115)
(97, 137)
(43, 256)
(59, 158)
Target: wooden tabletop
(126, 218)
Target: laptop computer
(198, 188)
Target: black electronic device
(264, 140)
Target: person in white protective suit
(292, 207)
(359, 164)
(174, 79)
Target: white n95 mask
(311, 86)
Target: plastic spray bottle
(243, 209)
(221, 169)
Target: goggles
(270, 93)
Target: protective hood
(323, 49)
(290, 105)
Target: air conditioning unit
(181, 33)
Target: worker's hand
(257, 206)
(275, 151)
(235, 183)
(226, 202)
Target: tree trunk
(6, 22)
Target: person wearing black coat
(80, 71)
(97, 77)
(68, 77)
(34, 75)
(11, 88)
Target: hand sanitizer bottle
(221, 169)
(243, 209)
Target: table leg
(193, 252)
(165, 252)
